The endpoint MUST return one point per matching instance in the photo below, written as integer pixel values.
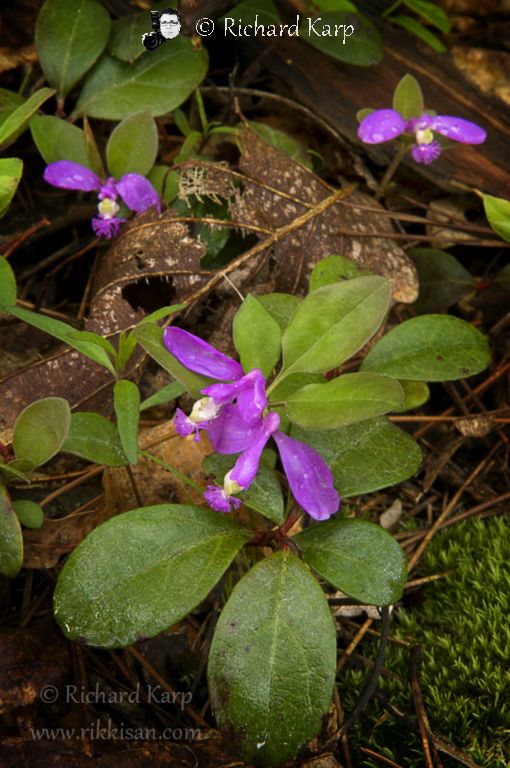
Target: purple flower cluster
(387, 124)
(135, 190)
(236, 419)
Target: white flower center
(204, 409)
(424, 136)
(108, 208)
(230, 486)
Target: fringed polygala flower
(387, 124)
(135, 191)
(236, 419)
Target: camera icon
(165, 26)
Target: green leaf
(503, 278)
(11, 538)
(161, 313)
(408, 98)
(9, 101)
(366, 456)
(133, 145)
(126, 401)
(170, 392)
(497, 211)
(150, 337)
(7, 282)
(41, 429)
(345, 36)
(430, 348)
(30, 514)
(281, 141)
(431, 13)
(362, 113)
(358, 557)
(333, 323)
(70, 35)
(415, 394)
(158, 82)
(126, 38)
(413, 26)
(332, 270)
(165, 182)
(290, 384)
(442, 279)
(11, 470)
(272, 661)
(143, 571)
(11, 169)
(281, 306)
(18, 120)
(335, 5)
(79, 340)
(96, 439)
(257, 337)
(57, 139)
(348, 398)
(264, 494)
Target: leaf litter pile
(248, 218)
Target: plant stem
(134, 485)
(390, 171)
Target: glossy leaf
(141, 572)
(421, 32)
(355, 39)
(70, 35)
(366, 456)
(348, 398)
(7, 283)
(359, 558)
(272, 661)
(30, 514)
(290, 384)
(133, 145)
(497, 211)
(281, 306)
(257, 336)
(333, 269)
(41, 429)
(126, 401)
(11, 538)
(442, 279)
(333, 323)
(96, 439)
(408, 98)
(11, 169)
(430, 348)
(170, 392)
(57, 139)
(18, 120)
(158, 82)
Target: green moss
(463, 628)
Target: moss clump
(463, 627)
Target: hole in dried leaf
(150, 293)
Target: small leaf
(30, 514)
(133, 145)
(11, 169)
(11, 538)
(290, 384)
(57, 139)
(345, 36)
(273, 653)
(430, 348)
(362, 113)
(7, 283)
(431, 13)
(96, 439)
(161, 313)
(333, 269)
(348, 398)
(333, 323)
(281, 306)
(12, 470)
(9, 101)
(415, 394)
(358, 557)
(408, 98)
(141, 572)
(413, 26)
(497, 211)
(126, 401)
(281, 141)
(365, 457)
(170, 392)
(442, 279)
(158, 82)
(41, 429)
(70, 35)
(18, 120)
(165, 182)
(257, 337)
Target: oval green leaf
(281, 306)
(18, 120)
(430, 348)
(133, 145)
(442, 279)
(358, 557)
(158, 82)
(11, 538)
(57, 139)
(9, 101)
(348, 398)
(332, 269)
(96, 439)
(41, 429)
(421, 32)
(497, 211)
(30, 514)
(408, 98)
(142, 571)
(11, 169)
(272, 661)
(126, 401)
(70, 35)
(7, 283)
(257, 336)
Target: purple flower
(135, 190)
(387, 124)
(219, 500)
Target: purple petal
(137, 192)
(426, 153)
(250, 391)
(246, 467)
(310, 478)
(457, 129)
(229, 432)
(108, 190)
(68, 175)
(219, 500)
(381, 125)
(106, 227)
(198, 356)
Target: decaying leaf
(10, 58)
(475, 426)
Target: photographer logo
(165, 26)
